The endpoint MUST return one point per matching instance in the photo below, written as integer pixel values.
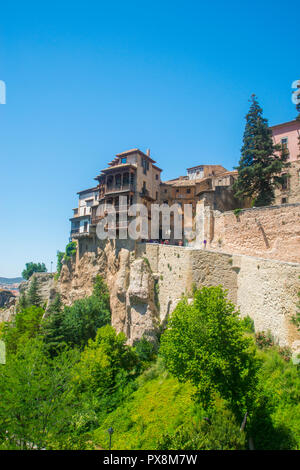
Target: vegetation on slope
(70, 377)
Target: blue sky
(86, 80)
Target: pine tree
(261, 161)
(53, 327)
(33, 297)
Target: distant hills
(11, 280)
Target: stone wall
(269, 232)
(266, 290)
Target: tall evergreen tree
(262, 162)
(33, 297)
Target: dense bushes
(70, 377)
(75, 325)
(205, 344)
(33, 268)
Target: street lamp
(110, 432)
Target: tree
(33, 297)
(106, 366)
(37, 408)
(26, 325)
(33, 268)
(205, 344)
(76, 324)
(262, 162)
(60, 256)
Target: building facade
(82, 215)
(288, 135)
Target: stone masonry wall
(269, 232)
(266, 290)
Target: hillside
(10, 280)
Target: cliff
(130, 282)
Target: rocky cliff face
(130, 282)
(46, 287)
(7, 305)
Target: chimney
(148, 152)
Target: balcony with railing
(118, 188)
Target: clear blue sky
(86, 80)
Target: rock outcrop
(130, 282)
(47, 289)
(7, 305)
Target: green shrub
(76, 324)
(33, 268)
(205, 344)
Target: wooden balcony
(115, 189)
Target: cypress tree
(261, 161)
(33, 297)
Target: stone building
(288, 135)
(81, 220)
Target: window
(285, 181)
(156, 177)
(166, 190)
(156, 197)
(145, 165)
(284, 200)
(177, 190)
(284, 142)
(124, 160)
(188, 191)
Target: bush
(221, 432)
(33, 268)
(106, 367)
(26, 325)
(205, 344)
(264, 340)
(76, 324)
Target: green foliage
(156, 294)
(33, 268)
(146, 351)
(205, 344)
(76, 324)
(106, 366)
(296, 318)
(220, 432)
(66, 255)
(56, 398)
(70, 250)
(260, 166)
(26, 325)
(60, 256)
(36, 408)
(248, 324)
(159, 405)
(237, 212)
(33, 297)
(275, 425)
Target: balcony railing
(118, 188)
